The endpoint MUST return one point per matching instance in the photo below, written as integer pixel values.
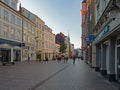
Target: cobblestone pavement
(52, 75)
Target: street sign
(90, 38)
(22, 44)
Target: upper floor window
(33, 30)
(25, 25)
(29, 29)
(42, 27)
(5, 30)
(6, 1)
(39, 26)
(29, 39)
(6, 15)
(13, 33)
(0, 11)
(13, 5)
(13, 19)
(18, 34)
(18, 22)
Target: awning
(5, 46)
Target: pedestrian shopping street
(52, 75)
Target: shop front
(9, 51)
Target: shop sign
(90, 38)
(105, 30)
(22, 44)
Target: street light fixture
(114, 10)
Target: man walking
(73, 59)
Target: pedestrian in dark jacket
(46, 58)
(73, 59)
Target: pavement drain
(48, 78)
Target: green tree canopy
(63, 47)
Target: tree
(63, 47)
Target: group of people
(59, 58)
(65, 58)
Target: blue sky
(59, 15)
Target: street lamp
(114, 10)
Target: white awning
(16, 47)
(5, 46)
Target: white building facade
(10, 31)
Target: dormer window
(13, 5)
(6, 1)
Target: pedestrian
(28, 58)
(73, 59)
(46, 58)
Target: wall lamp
(114, 10)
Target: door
(6, 55)
(118, 64)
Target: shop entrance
(5, 55)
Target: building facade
(28, 37)
(49, 43)
(39, 38)
(105, 27)
(107, 39)
(10, 31)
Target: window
(25, 25)
(12, 19)
(42, 44)
(6, 15)
(42, 27)
(0, 12)
(5, 30)
(33, 30)
(29, 27)
(118, 42)
(0, 28)
(18, 34)
(13, 33)
(24, 37)
(29, 39)
(18, 22)
(13, 5)
(39, 26)
(6, 1)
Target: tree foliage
(63, 47)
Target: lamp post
(114, 10)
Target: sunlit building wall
(49, 43)
(68, 45)
(83, 13)
(39, 37)
(10, 32)
(29, 26)
(57, 48)
(72, 49)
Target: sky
(60, 15)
